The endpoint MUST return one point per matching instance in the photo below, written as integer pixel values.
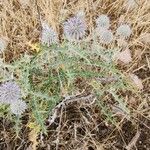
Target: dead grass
(22, 24)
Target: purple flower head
(9, 92)
(48, 35)
(75, 28)
(18, 107)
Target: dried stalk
(132, 143)
(88, 99)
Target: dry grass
(21, 24)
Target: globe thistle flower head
(48, 35)
(18, 107)
(9, 92)
(3, 45)
(75, 28)
(105, 36)
(103, 21)
(124, 31)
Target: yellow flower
(34, 46)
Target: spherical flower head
(124, 31)
(105, 36)
(75, 28)
(48, 35)
(18, 107)
(3, 45)
(9, 92)
(103, 21)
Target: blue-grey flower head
(103, 21)
(105, 36)
(18, 107)
(124, 31)
(48, 35)
(75, 28)
(9, 92)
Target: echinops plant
(56, 66)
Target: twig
(90, 99)
(58, 133)
(38, 13)
(133, 141)
(107, 79)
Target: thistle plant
(47, 76)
